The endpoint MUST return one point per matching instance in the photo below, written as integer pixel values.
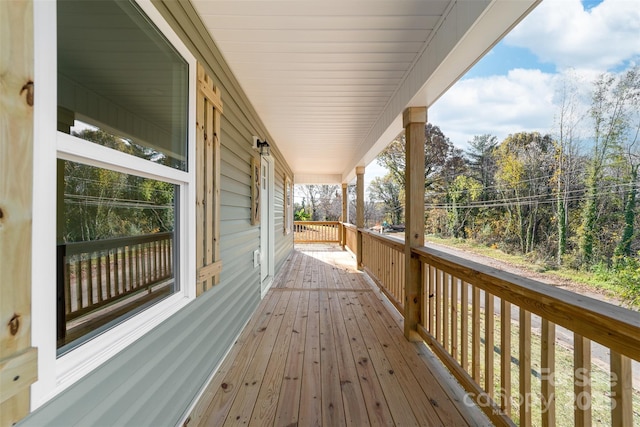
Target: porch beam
(359, 212)
(414, 119)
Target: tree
(101, 203)
(632, 154)
(438, 153)
(524, 167)
(567, 119)
(613, 102)
(389, 192)
(463, 190)
(482, 162)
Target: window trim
(56, 374)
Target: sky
(513, 88)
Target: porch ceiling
(330, 78)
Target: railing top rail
(610, 325)
(316, 222)
(392, 242)
(74, 248)
(350, 226)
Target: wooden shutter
(208, 112)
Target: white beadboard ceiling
(330, 79)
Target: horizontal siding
(155, 380)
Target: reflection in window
(122, 85)
(117, 253)
(118, 73)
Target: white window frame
(57, 373)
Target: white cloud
(521, 101)
(563, 33)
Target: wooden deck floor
(325, 349)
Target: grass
(563, 378)
(586, 279)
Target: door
(267, 226)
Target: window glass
(123, 86)
(116, 248)
(118, 73)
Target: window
(114, 161)
(123, 166)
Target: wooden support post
(414, 119)
(359, 213)
(18, 360)
(345, 214)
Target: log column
(345, 215)
(359, 212)
(414, 119)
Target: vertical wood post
(345, 214)
(359, 213)
(18, 360)
(414, 119)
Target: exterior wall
(156, 380)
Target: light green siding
(155, 380)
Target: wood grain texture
(16, 180)
(326, 350)
(414, 120)
(612, 326)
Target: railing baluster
(524, 336)
(67, 284)
(464, 327)
(132, 283)
(79, 280)
(621, 390)
(438, 305)
(475, 335)
(582, 380)
(99, 276)
(547, 372)
(90, 279)
(505, 356)
(455, 282)
(432, 300)
(488, 343)
(445, 312)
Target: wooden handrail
(97, 274)
(317, 231)
(457, 314)
(607, 324)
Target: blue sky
(513, 88)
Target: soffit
(329, 78)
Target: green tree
(524, 166)
(462, 191)
(388, 191)
(614, 100)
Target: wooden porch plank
(267, 401)
(332, 406)
(289, 400)
(331, 354)
(310, 395)
(438, 398)
(394, 349)
(226, 382)
(372, 391)
(398, 405)
(355, 409)
(249, 387)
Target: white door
(267, 226)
